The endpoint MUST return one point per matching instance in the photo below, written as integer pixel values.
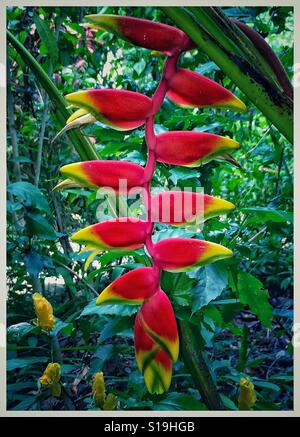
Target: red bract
(183, 207)
(132, 288)
(155, 332)
(156, 341)
(190, 89)
(143, 33)
(184, 254)
(123, 233)
(191, 149)
(157, 318)
(119, 175)
(152, 360)
(120, 109)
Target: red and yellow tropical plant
(155, 331)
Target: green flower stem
(190, 339)
(272, 102)
(195, 362)
(220, 27)
(55, 349)
(84, 148)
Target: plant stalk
(83, 147)
(195, 362)
(272, 102)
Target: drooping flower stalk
(156, 333)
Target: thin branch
(77, 276)
(44, 118)
(11, 124)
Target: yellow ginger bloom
(51, 378)
(98, 389)
(108, 402)
(44, 312)
(247, 397)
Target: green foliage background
(242, 307)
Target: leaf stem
(271, 100)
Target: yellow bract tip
(76, 115)
(104, 295)
(79, 98)
(237, 104)
(229, 143)
(105, 21)
(214, 252)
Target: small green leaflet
(109, 309)
(29, 195)
(264, 214)
(212, 279)
(251, 293)
(178, 402)
(48, 38)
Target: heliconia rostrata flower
(144, 33)
(106, 174)
(178, 208)
(133, 288)
(190, 89)
(155, 332)
(120, 109)
(156, 342)
(191, 149)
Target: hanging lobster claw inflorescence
(155, 331)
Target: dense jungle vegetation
(241, 308)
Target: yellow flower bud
(51, 378)
(98, 389)
(110, 403)
(44, 312)
(247, 397)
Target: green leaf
(178, 402)
(251, 293)
(34, 263)
(38, 225)
(208, 67)
(60, 326)
(266, 384)
(212, 279)
(20, 363)
(228, 402)
(26, 404)
(18, 386)
(172, 233)
(15, 333)
(182, 174)
(139, 67)
(116, 310)
(115, 327)
(29, 195)
(261, 214)
(179, 286)
(48, 38)
(101, 355)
